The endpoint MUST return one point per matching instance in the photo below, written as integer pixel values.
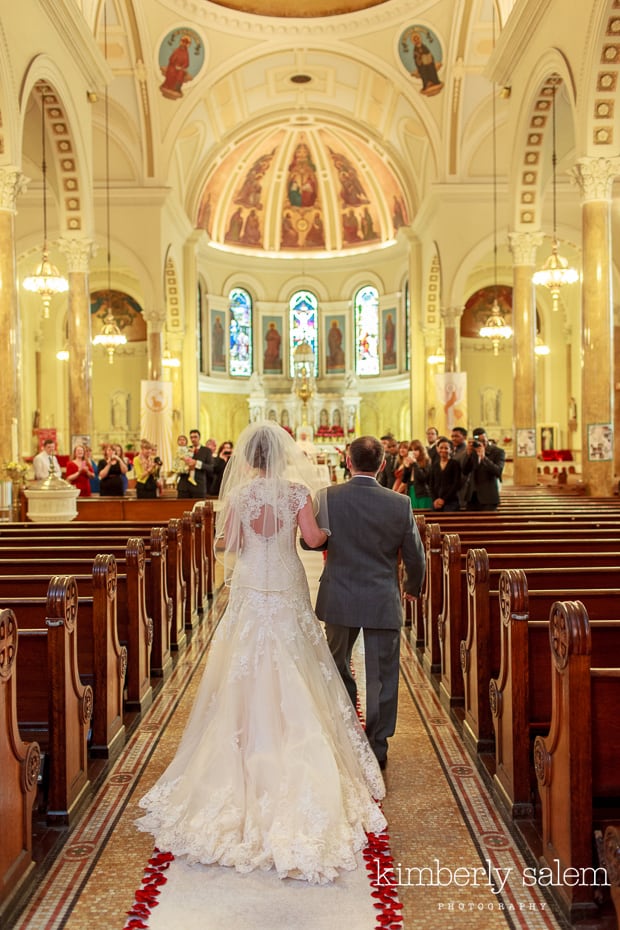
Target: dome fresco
(308, 189)
(309, 8)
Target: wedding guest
(79, 471)
(484, 464)
(400, 486)
(416, 476)
(200, 465)
(118, 451)
(46, 462)
(445, 478)
(145, 470)
(111, 472)
(220, 462)
(94, 481)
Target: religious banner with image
(451, 401)
(156, 418)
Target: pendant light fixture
(110, 336)
(47, 280)
(495, 327)
(555, 273)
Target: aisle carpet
(196, 897)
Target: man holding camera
(484, 464)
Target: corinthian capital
(594, 177)
(451, 315)
(78, 252)
(523, 246)
(155, 320)
(12, 183)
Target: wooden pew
(135, 627)
(202, 516)
(147, 575)
(53, 706)
(20, 764)
(480, 651)
(520, 696)
(453, 619)
(578, 762)
(101, 658)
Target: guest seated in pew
(484, 465)
(445, 478)
(79, 471)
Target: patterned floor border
(503, 866)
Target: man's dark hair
(479, 431)
(194, 431)
(460, 429)
(366, 454)
(388, 437)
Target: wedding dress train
(273, 770)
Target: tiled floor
(457, 862)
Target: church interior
(348, 216)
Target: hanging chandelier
(495, 327)
(555, 273)
(47, 280)
(110, 336)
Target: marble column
(79, 253)
(451, 317)
(155, 320)
(417, 353)
(523, 246)
(594, 178)
(12, 182)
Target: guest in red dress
(79, 471)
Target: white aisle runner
(178, 896)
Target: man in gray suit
(359, 587)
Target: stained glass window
(367, 331)
(303, 325)
(240, 333)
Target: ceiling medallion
(311, 8)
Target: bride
(274, 769)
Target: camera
(476, 444)
(158, 461)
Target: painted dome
(304, 189)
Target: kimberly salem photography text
(488, 876)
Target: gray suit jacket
(359, 586)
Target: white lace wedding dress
(274, 770)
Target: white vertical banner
(451, 401)
(156, 418)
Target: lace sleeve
(298, 496)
